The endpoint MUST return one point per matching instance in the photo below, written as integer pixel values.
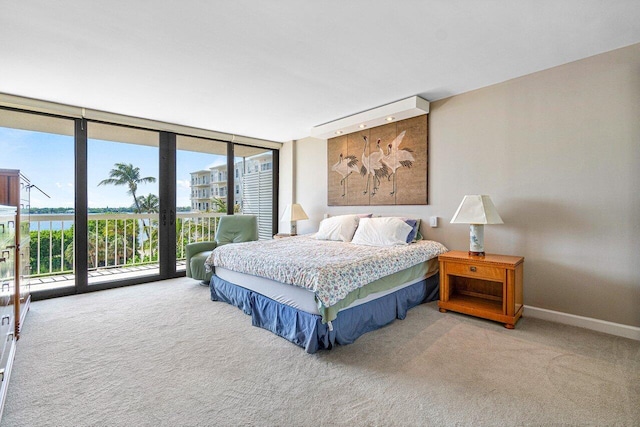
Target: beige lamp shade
(476, 210)
(292, 213)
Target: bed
(318, 293)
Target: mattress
(331, 270)
(305, 300)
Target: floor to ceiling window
(201, 188)
(124, 201)
(254, 186)
(42, 148)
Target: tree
(150, 204)
(129, 175)
(220, 205)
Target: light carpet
(164, 354)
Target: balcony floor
(97, 276)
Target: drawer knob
(472, 268)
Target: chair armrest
(195, 248)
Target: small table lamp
(476, 210)
(293, 213)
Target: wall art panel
(385, 165)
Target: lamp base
(476, 240)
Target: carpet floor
(164, 354)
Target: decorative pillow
(339, 227)
(386, 231)
(415, 235)
(414, 228)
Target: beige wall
(559, 153)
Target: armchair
(231, 229)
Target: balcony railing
(114, 240)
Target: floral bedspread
(330, 269)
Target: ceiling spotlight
(390, 118)
(362, 126)
(338, 132)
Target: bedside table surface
(502, 260)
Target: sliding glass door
(123, 203)
(42, 148)
(118, 204)
(201, 191)
(253, 186)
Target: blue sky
(47, 160)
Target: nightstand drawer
(476, 271)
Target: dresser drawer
(476, 271)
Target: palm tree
(220, 205)
(149, 204)
(129, 175)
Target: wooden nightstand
(281, 235)
(489, 287)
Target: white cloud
(183, 183)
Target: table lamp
(476, 210)
(292, 213)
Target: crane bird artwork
(397, 158)
(345, 167)
(391, 161)
(372, 167)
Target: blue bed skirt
(307, 330)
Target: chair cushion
(197, 266)
(237, 228)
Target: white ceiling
(274, 69)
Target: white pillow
(386, 231)
(339, 227)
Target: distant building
(201, 190)
(253, 189)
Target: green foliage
(149, 204)
(220, 205)
(117, 242)
(129, 175)
(51, 243)
(69, 211)
(109, 243)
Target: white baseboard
(617, 329)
